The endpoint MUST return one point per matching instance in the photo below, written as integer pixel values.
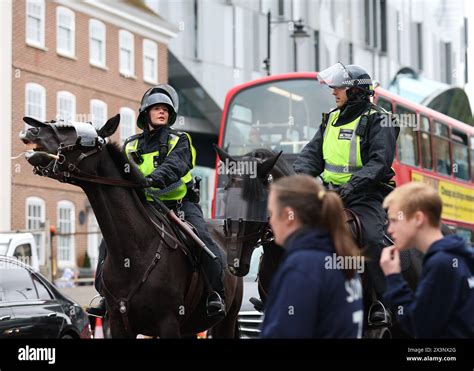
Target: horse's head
(57, 148)
(245, 201)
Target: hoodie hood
(454, 245)
(308, 238)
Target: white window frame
(71, 262)
(125, 131)
(150, 51)
(64, 13)
(97, 31)
(39, 236)
(98, 103)
(127, 43)
(38, 43)
(94, 238)
(31, 88)
(66, 96)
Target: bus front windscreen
(280, 115)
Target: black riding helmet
(357, 81)
(160, 94)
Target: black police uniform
(364, 192)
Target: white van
(21, 246)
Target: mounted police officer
(352, 152)
(165, 157)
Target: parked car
(31, 307)
(21, 246)
(249, 318)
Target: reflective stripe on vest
(174, 191)
(341, 150)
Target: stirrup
(103, 311)
(217, 304)
(380, 316)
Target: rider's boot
(215, 303)
(99, 310)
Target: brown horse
(153, 284)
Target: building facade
(82, 61)
(382, 35)
(223, 43)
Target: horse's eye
(34, 131)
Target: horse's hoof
(140, 336)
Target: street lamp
(298, 36)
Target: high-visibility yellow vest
(341, 149)
(147, 166)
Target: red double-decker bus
(283, 113)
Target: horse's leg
(117, 328)
(227, 328)
(169, 328)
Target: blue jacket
(443, 304)
(309, 300)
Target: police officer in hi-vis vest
(352, 152)
(165, 157)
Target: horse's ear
(110, 127)
(223, 155)
(266, 166)
(34, 122)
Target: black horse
(153, 283)
(245, 199)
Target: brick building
(86, 61)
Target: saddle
(186, 243)
(355, 226)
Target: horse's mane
(253, 188)
(281, 168)
(128, 169)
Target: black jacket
(176, 164)
(377, 149)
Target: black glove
(346, 191)
(147, 182)
(155, 183)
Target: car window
(16, 283)
(23, 253)
(43, 292)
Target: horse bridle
(86, 136)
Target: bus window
(281, 115)
(460, 155)
(385, 104)
(426, 160)
(407, 139)
(441, 147)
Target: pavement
(81, 294)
